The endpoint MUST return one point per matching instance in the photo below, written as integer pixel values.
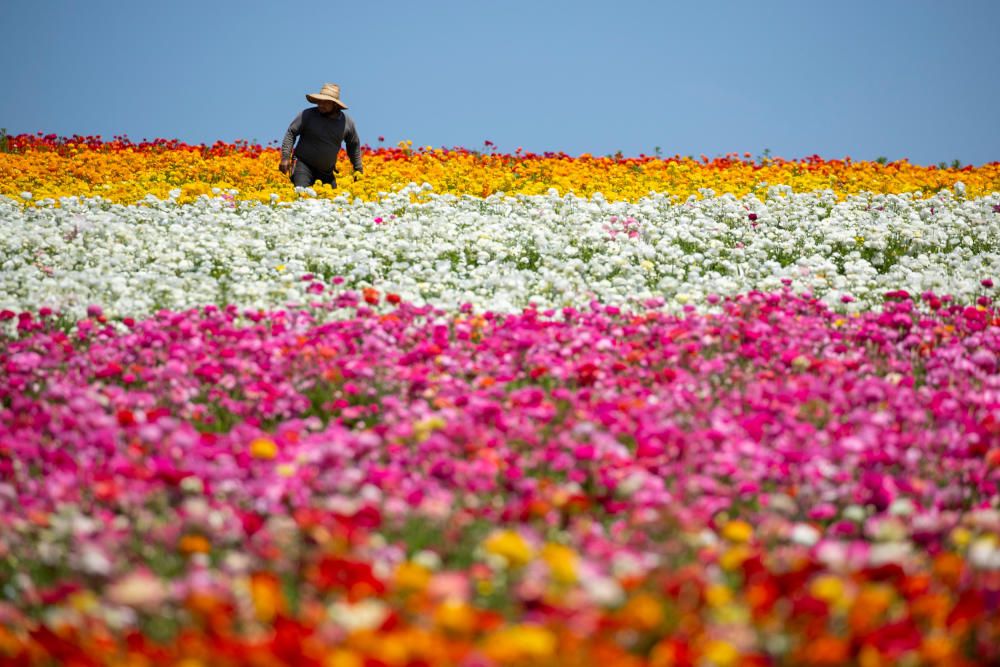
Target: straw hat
(331, 92)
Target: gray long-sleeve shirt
(320, 137)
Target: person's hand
(285, 166)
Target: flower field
(484, 409)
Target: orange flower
(455, 617)
(525, 643)
(263, 448)
(642, 612)
(268, 599)
(938, 649)
(826, 650)
(868, 607)
(931, 608)
(948, 567)
(126, 173)
(194, 544)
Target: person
(320, 131)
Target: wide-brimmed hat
(331, 92)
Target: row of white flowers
(498, 253)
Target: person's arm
(289, 142)
(353, 143)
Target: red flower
(353, 577)
(895, 639)
(586, 374)
(110, 370)
(968, 608)
(125, 418)
(290, 638)
(367, 517)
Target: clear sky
(918, 79)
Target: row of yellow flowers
(127, 175)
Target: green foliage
(955, 164)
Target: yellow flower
(128, 176)
(412, 576)
(737, 531)
(732, 558)
(961, 536)
(343, 658)
(828, 587)
(562, 562)
(721, 653)
(263, 448)
(520, 643)
(718, 595)
(455, 616)
(83, 601)
(511, 546)
(423, 428)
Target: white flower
(94, 561)
(497, 252)
(804, 534)
(139, 589)
(885, 553)
(902, 506)
(603, 590)
(984, 554)
(365, 614)
(427, 559)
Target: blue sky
(918, 79)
